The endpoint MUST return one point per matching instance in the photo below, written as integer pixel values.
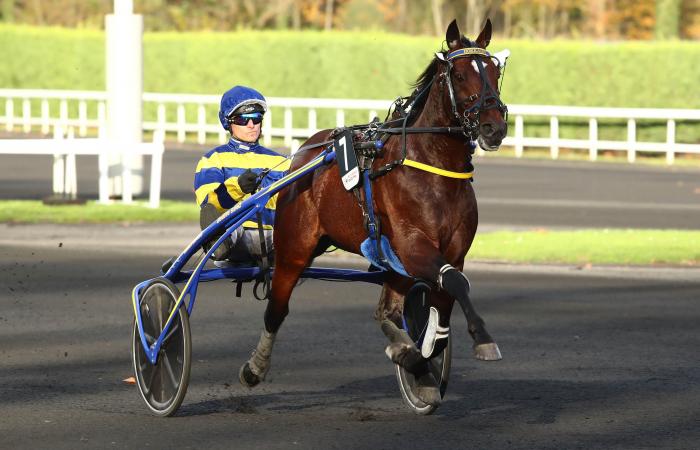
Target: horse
(429, 220)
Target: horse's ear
(452, 37)
(485, 36)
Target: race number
(347, 160)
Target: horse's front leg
(429, 264)
(456, 284)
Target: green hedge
(361, 65)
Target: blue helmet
(240, 100)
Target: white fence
(85, 110)
(64, 148)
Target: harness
(372, 137)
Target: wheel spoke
(175, 327)
(161, 306)
(152, 378)
(171, 374)
(149, 339)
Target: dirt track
(589, 361)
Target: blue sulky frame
(230, 221)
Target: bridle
(487, 99)
(468, 121)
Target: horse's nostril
(487, 129)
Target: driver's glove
(248, 181)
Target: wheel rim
(162, 385)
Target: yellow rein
(435, 170)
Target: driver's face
(249, 132)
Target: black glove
(248, 181)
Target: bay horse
(429, 220)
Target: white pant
(246, 244)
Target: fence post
(266, 131)
(156, 169)
(26, 115)
(312, 121)
(631, 139)
(554, 136)
(127, 192)
(593, 139)
(9, 114)
(339, 118)
(103, 168)
(102, 119)
(71, 180)
(59, 164)
(201, 124)
(670, 141)
(294, 147)
(519, 136)
(287, 127)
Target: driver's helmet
(240, 100)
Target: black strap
(264, 276)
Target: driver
(229, 173)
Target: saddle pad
(369, 251)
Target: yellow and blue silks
(216, 176)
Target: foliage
(599, 19)
(365, 65)
(355, 65)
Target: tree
(667, 19)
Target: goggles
(242, 119)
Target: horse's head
(471, 75)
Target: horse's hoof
(427, 390)
(247, 377)
(487, 352)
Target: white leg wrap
(433, 332)
(443, 269)
(260, 361)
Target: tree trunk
(668, 14)
(437, 17)
(329, 16)
(8, 11)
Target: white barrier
(207, 125)
(64, 152)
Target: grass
(618, 247)
(34, 211)
(606, 246)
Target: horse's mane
(422, 82)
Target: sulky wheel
(162, 386)
(416, 312)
